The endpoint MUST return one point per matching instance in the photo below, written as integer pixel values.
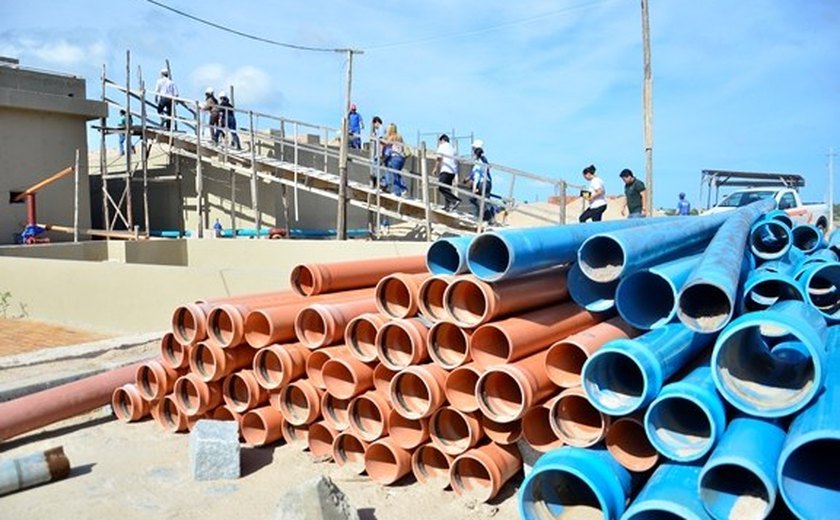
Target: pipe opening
(470, 478)
(410, 394)
(337, 410)
(765, 293)
(770, 239)
(501, 396)
(172, 351)
(628, 443)
(254, 429)
(320, 440)
(411, 432)
(147, 382)
(601, 259)
(614, 382)
(448, 345)
(184, 324)
(733, 491)
(237, 391)
(382, 376)
(501, 433)
(223, 413)
(310, 326)
(258, 329)
(204, 363)
(268, 368)
(680, 427)
(443, 258)
(303, 280)
(431, 466)
(314, 366)
(764, 379)
(806, 238)
(396, 347)
(295, 404)
(361, 338)
(170, 415)
(430, 298)
(294, 433)
(381, 463)
(366, 417)
(122, 405)
(460, 389)
(339, 379)
(395, 298)
(488, 257)
(451, 430)
(188, 396)
(824, 290)
(556, 493)
(704, 307)
(349, 451)
(489, 346)
(592, 295)
(646, 300)
(809, 478)
(466, 302)
(220, 326)
(784, 218)
(564, 364)
(577, 422)
(536, 429)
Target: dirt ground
(137, 471)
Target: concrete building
(43, 118)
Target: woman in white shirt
(596, 196)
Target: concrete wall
(42, 123)
(113, 294)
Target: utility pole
(647, 108)
(831, 189)
(341, 219)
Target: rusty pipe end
(448, 345)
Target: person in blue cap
(683, 206)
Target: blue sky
(550, 86)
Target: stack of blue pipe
(737, 376)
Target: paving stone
(315, 499)
(214, 450)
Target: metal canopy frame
(715, 179)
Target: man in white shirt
(165, 90)
(447, 169)
(596, 196)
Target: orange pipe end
(295, 434)
(501, 433)
(313, 279)
(449, 345)
(575, 421)
(628, 443)
(226, 325)
(407, 433)
(469, 302)
(397, 294)
(360, 335)
(537, 430)
(481, 472)
(211, 362)
(431, 466)
(128, 404)
(346, 377)
(417, 391)
(317, 359)
(460, 386)
(321, 324)
(348, 450)
(430, 297)
(279, 365)
(241, 391)
(189, 323)
(402, 343)
(262, 426)
(368, 416)
(154, 380)
(454, 431)
(169, 415)
(300, 402)
(193, 396)
(386, 462)
(335, 411)
(382, 377)
(320, 438)
(173, 353)
(224, 413)
(505, 392)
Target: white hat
(165, 72)
(209, 90)
(223, 94)
(478, 143)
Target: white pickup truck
(787, 199)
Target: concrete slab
(316, 499)
(214, 450)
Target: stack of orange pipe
(388, 372)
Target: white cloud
(58, 52)
(252, 85)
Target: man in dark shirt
(634, 195)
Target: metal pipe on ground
(360, 335)
(61, 402)
(448, 255)
(481, 472)
(625, 375)
(313, 279)
(771, 363)
(671, 492)
(33, 470)
(707, 300)
(430, 297)
(397, 294)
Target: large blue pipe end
(821, 285)
(765, 288)
(448, 256)
(621, 377)
(490, 257)
(770, 239)
(602, 258)
(705, 307)
(670, 494)
(808, 475)
(592, 296)
(646, 300)
(807, 238)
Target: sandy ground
(23, 335)
(137, 471)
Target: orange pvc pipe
(386, 462)
(471, 302)
(628, 443)
(460, 387)
(368, 415)
(566, 357)
(262, 426)
(575, 421)
(537, 430)
(382, 377)
(335, 411)
(360, 335)
(402, 343)
(449, 345)
(407, 433)
(299, 402)
(241, 391)
(505, 392)
(55, 404)
(128, 404)
(508, 340)
(481, 472)
(431, 466)
(397, 294)
(317, 359)
(154, 380)
(346, 377)
(454, 431)
(169, 416)
(213, 363)
(312, 279)
(295, 434)
(189, 322)
(320, 437)
(173, 354)
(430, 297)
(279, 365)
(322, 324)
(225, 413)
(348, 450)
(417, 391)
(226, 324)
(194, 396)
(502, 433)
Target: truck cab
(787, 199)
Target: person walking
(355, 124)
(227, 120)
(394, 155)
(683, 206)
(480, 182)
(446, 167)
(376, 152)
(211, 105)
(596, 196)
(122, 126)
(635, 196)
(165, 91)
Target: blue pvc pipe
(325, 233)
(625, 375)
(708, 299)
(764, 288)
(808, 238)
(687, 418)
(170, 233)
(505, 253)
(671, 492)
(607, 256)
(760, 381)
(574, 480)
(647, 299)
(820, 283)
(779, 215)
(592, 296)
(770, 239)
(448, 255)
(807, 471)
(739, 479)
